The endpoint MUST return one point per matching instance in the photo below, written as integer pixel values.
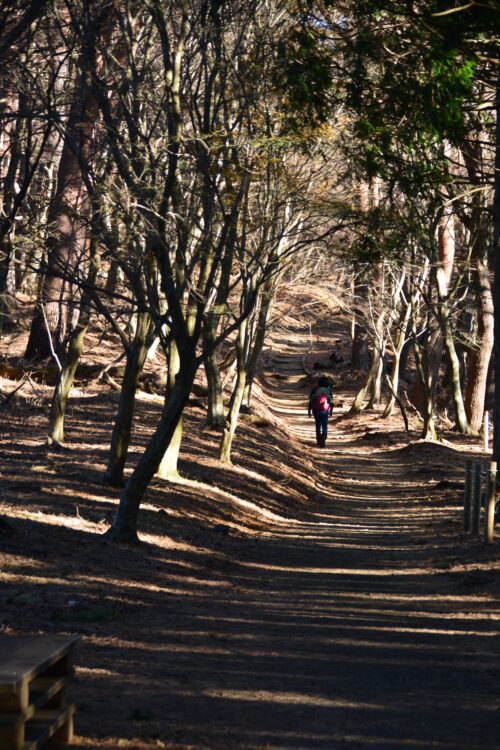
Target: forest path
(358, 628)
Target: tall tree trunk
(120, 438)
(75, 346)
(124, 527)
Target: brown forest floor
(299, 599)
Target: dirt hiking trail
(354, 614)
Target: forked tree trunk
(124, 527)
(120, 438)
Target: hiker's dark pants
(321, 419)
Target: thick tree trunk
(124, 527)
(120, 438)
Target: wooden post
(467, 496)
(476, 497)
(489, 507)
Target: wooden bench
(33, 676)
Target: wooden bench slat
(25, 657)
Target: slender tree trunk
(234, 410)
(259, 338)
(168, 466)
(75, 346)
(120, 438)
(398, 348)
(124, 527)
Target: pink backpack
(320, 402)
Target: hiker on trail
(321, 404)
